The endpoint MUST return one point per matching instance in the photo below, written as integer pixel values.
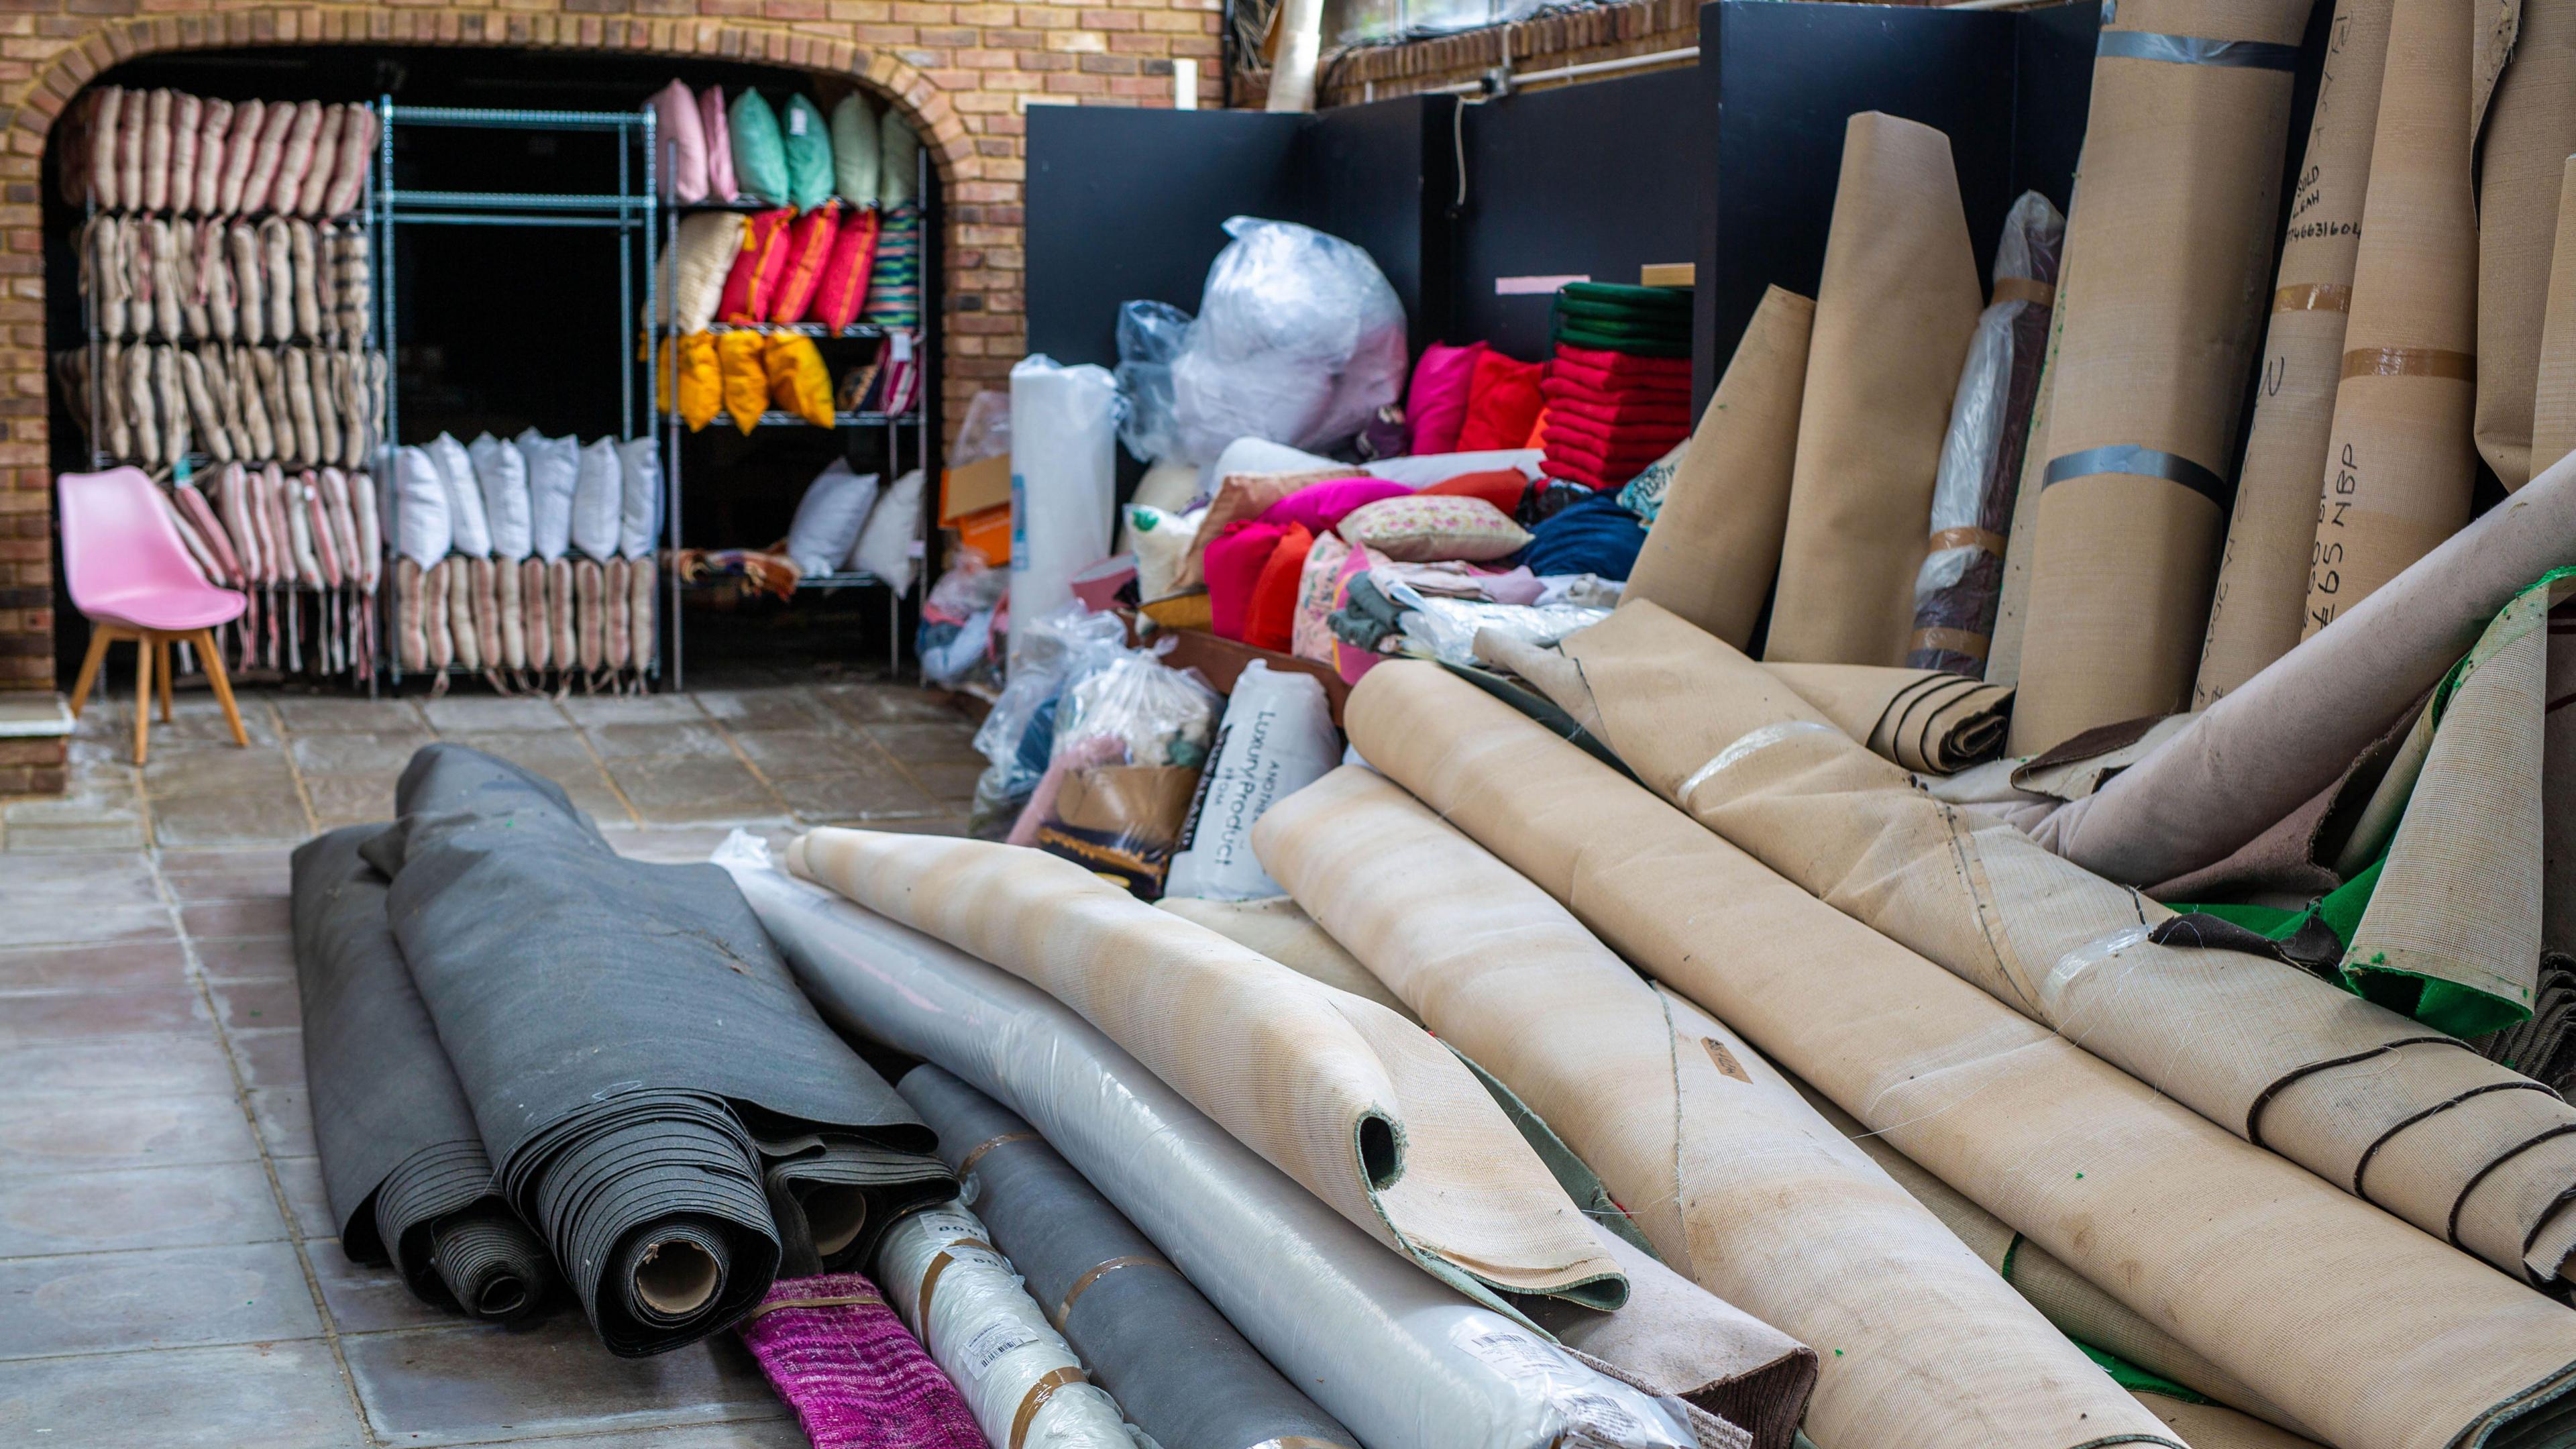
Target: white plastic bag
(1299, 340)
(986, 433)
(1150, 335)
(639, 514)
(1276, 739)
(423, 531)
(1064, 480)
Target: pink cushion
(675, 113)
(1349, 660)
(1321, 505)
(1234, 564)
(1309, 636)
(1423, 529)
(718, 138)
(1435, 405)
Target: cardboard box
(974, 488)
(988, 532)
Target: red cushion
(753, 282)
(1502, 404)
(1234, 562)
(1503, 487)
(844, 287)
(809, 246)
(1272, 620)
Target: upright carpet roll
(2401, 459)
(1174, 1364)
(1894, 311)
(2553, 420)
(2173, 228)
(2530, 131)
(1714, 548)
(2261, 599)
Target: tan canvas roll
(1924, 719)
(2012, 606)
(1736, 1181)
(2173, 221)
(1713, 549)
(2553, 421)
(2273, 1275)
(1898, 300)
(2262, 594)
(2400, 459)
(1348, 1098)
(2557, 770)
(2530, 131)
(2215, 1426)
(1279, 930)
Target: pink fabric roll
(839, 1356)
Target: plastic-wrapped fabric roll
(1897, 303)
(2401, 459)
(1360, 1106)
(963, 1301)
(2172, 230)
(1714, 547)
(2530, 129)
(1380, 1345)
(1927, 720)
(404, 1167)
(1064, 478)
(2277, 1277)
(1174, 1364)
(1735, 1180)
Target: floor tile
(44, 1016)
(870, 703)
(77, 1132)
(251, 958)
(928, 744)
(352, 752)
(779, 1433)
(813, 753)
(285, 1120)
(121, 966)
(93, 796)
(216, 772)
(269, 1058)
(857, 797)
(118, 878)
(242, 916)
(178, 864)
(251, 1005)
(351, 799)
(659, 741)
(368, 1299)
(273, 1395)
(328, 714)
(556, 752)
(479, 713)
(593, 710)
(106, 835)
(159, 1298)
(231, 818)
(31, 916)
(137, 1066)
(470, 1382)
(681, 791)
(201, 725)
(952, 784)
(236, 883)
(151, 1207)
(308, 1202)
(763, 709)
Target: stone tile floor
(169, 1274)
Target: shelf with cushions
(801, 329)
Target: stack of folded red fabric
(1610, 414)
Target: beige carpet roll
(1279, 930)
(1351, 1100)
(1736, 1181)
(2257, 609)
(2216, 1426)
(2558, 767)
(2530, 131)
(2372, 1102)
(2400, 459)
(2012, 606)
(2173, 222)
(1894, 311)
(2276, 1277)
(2553, 408)
(1924, 719)
(1714, 547)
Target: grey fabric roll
(1183, 1374)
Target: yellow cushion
(798, 381)
(745, 380)
(701, 380)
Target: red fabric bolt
(1622, 367)
(1234, 562)
(844, 286)
(809, 246)
(1272, 620)
(1572, 402)
(1502, 404)
(1435, 404)
(1614, 439)
(753, 281)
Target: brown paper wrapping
(2553, 422)
(2256, 611)
(2530, 131)
(1714, 547)
(1897, 303)
(2172, 226)
(2400, 459)
(1735, 1180)
(2273, 1275)
(1924, 719)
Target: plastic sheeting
(1299, 340)
(1064, 480)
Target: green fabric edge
(2135, 1379)
(1570, 1171)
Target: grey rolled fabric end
(489, 1260)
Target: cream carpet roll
(2553, 420)
(1343, 1095)
(1924, 719)
(2530, 131)
(2276, 1277)
(1894, 311)
(2256, 611)
(2400, 459)
(1714, 548)
(1279, 930)
(1734, 1178)
(2172, 229)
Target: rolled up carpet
(1894, 311)
(404, 1169)
(2182, 165)
(1736, 1181)
(1278, 929)
(2553, 420)
(628, 1038)
(2400, 1115)
(1927, 720)
(2530, 129)
(1354, 1102)
(1379, 1344)
(2279, 1279)
(2256, 610)
(834, 1350)
(1170, 1359)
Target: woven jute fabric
(1924, 719)
(2277, 1277)
(2530, 130)
(1737, 1182)
(1351, 1100)
(1714, 547)
(1894, 311)
(2173, 232)
(2262, 593)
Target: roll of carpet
(628, 1040)
(1714, 547)
(405, 1170)
(2530, 130)
(2553, 420)
(2182, 163)
(1379, 1344)
(1894, 311)
(2401, 459)
(1927, 720)
(1171, 1360)
(2279, 1279)
(1279, 930)
(2256, 609)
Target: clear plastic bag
(956, 634)
(1299, 340)
(1446, 628)
(986, 433)
(1053, 650)
(1159, 715)
(1150, 335)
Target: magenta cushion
(1435, 405)
(1235, 559)
(675, 111)
(1321, 505)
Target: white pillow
(503, 473)
(702, 255)
(598, 496)
(829, 516)
(422, 532)
(885, 545)
(639, 519)
(1421, 470)
(554, 468)
(473, 533)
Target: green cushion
(809, 155)
(854, 149)
(899, 151)
(759, 150)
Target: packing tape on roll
(2196, 50)
(844, 1300)
(2024, 289)
(2410, 362)
(1036, 1399)
(2313, 297)
(966, 1164)
(1986, 539)
(1097, 1271)
(2138, 462)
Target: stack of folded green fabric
(1639, 321)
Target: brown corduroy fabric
(1894, 311)
(2256, 611)
(1924, 719)
(1714, 547)
(2553, 407)
(2530, 130)
(2275, 1276)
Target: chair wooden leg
(161, 656)
(142, 699)
(100, 636)
(213, 659)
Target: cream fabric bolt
(2530, 129)
(1735, 1180)
(2276, 1277)
(1351, 1100)
(1279, 929)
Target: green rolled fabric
(759, 149)
(855, 142)
(809, 155)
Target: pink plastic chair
(132, 577)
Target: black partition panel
(1380, 176)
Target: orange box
(978, 487)
(988, 532)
